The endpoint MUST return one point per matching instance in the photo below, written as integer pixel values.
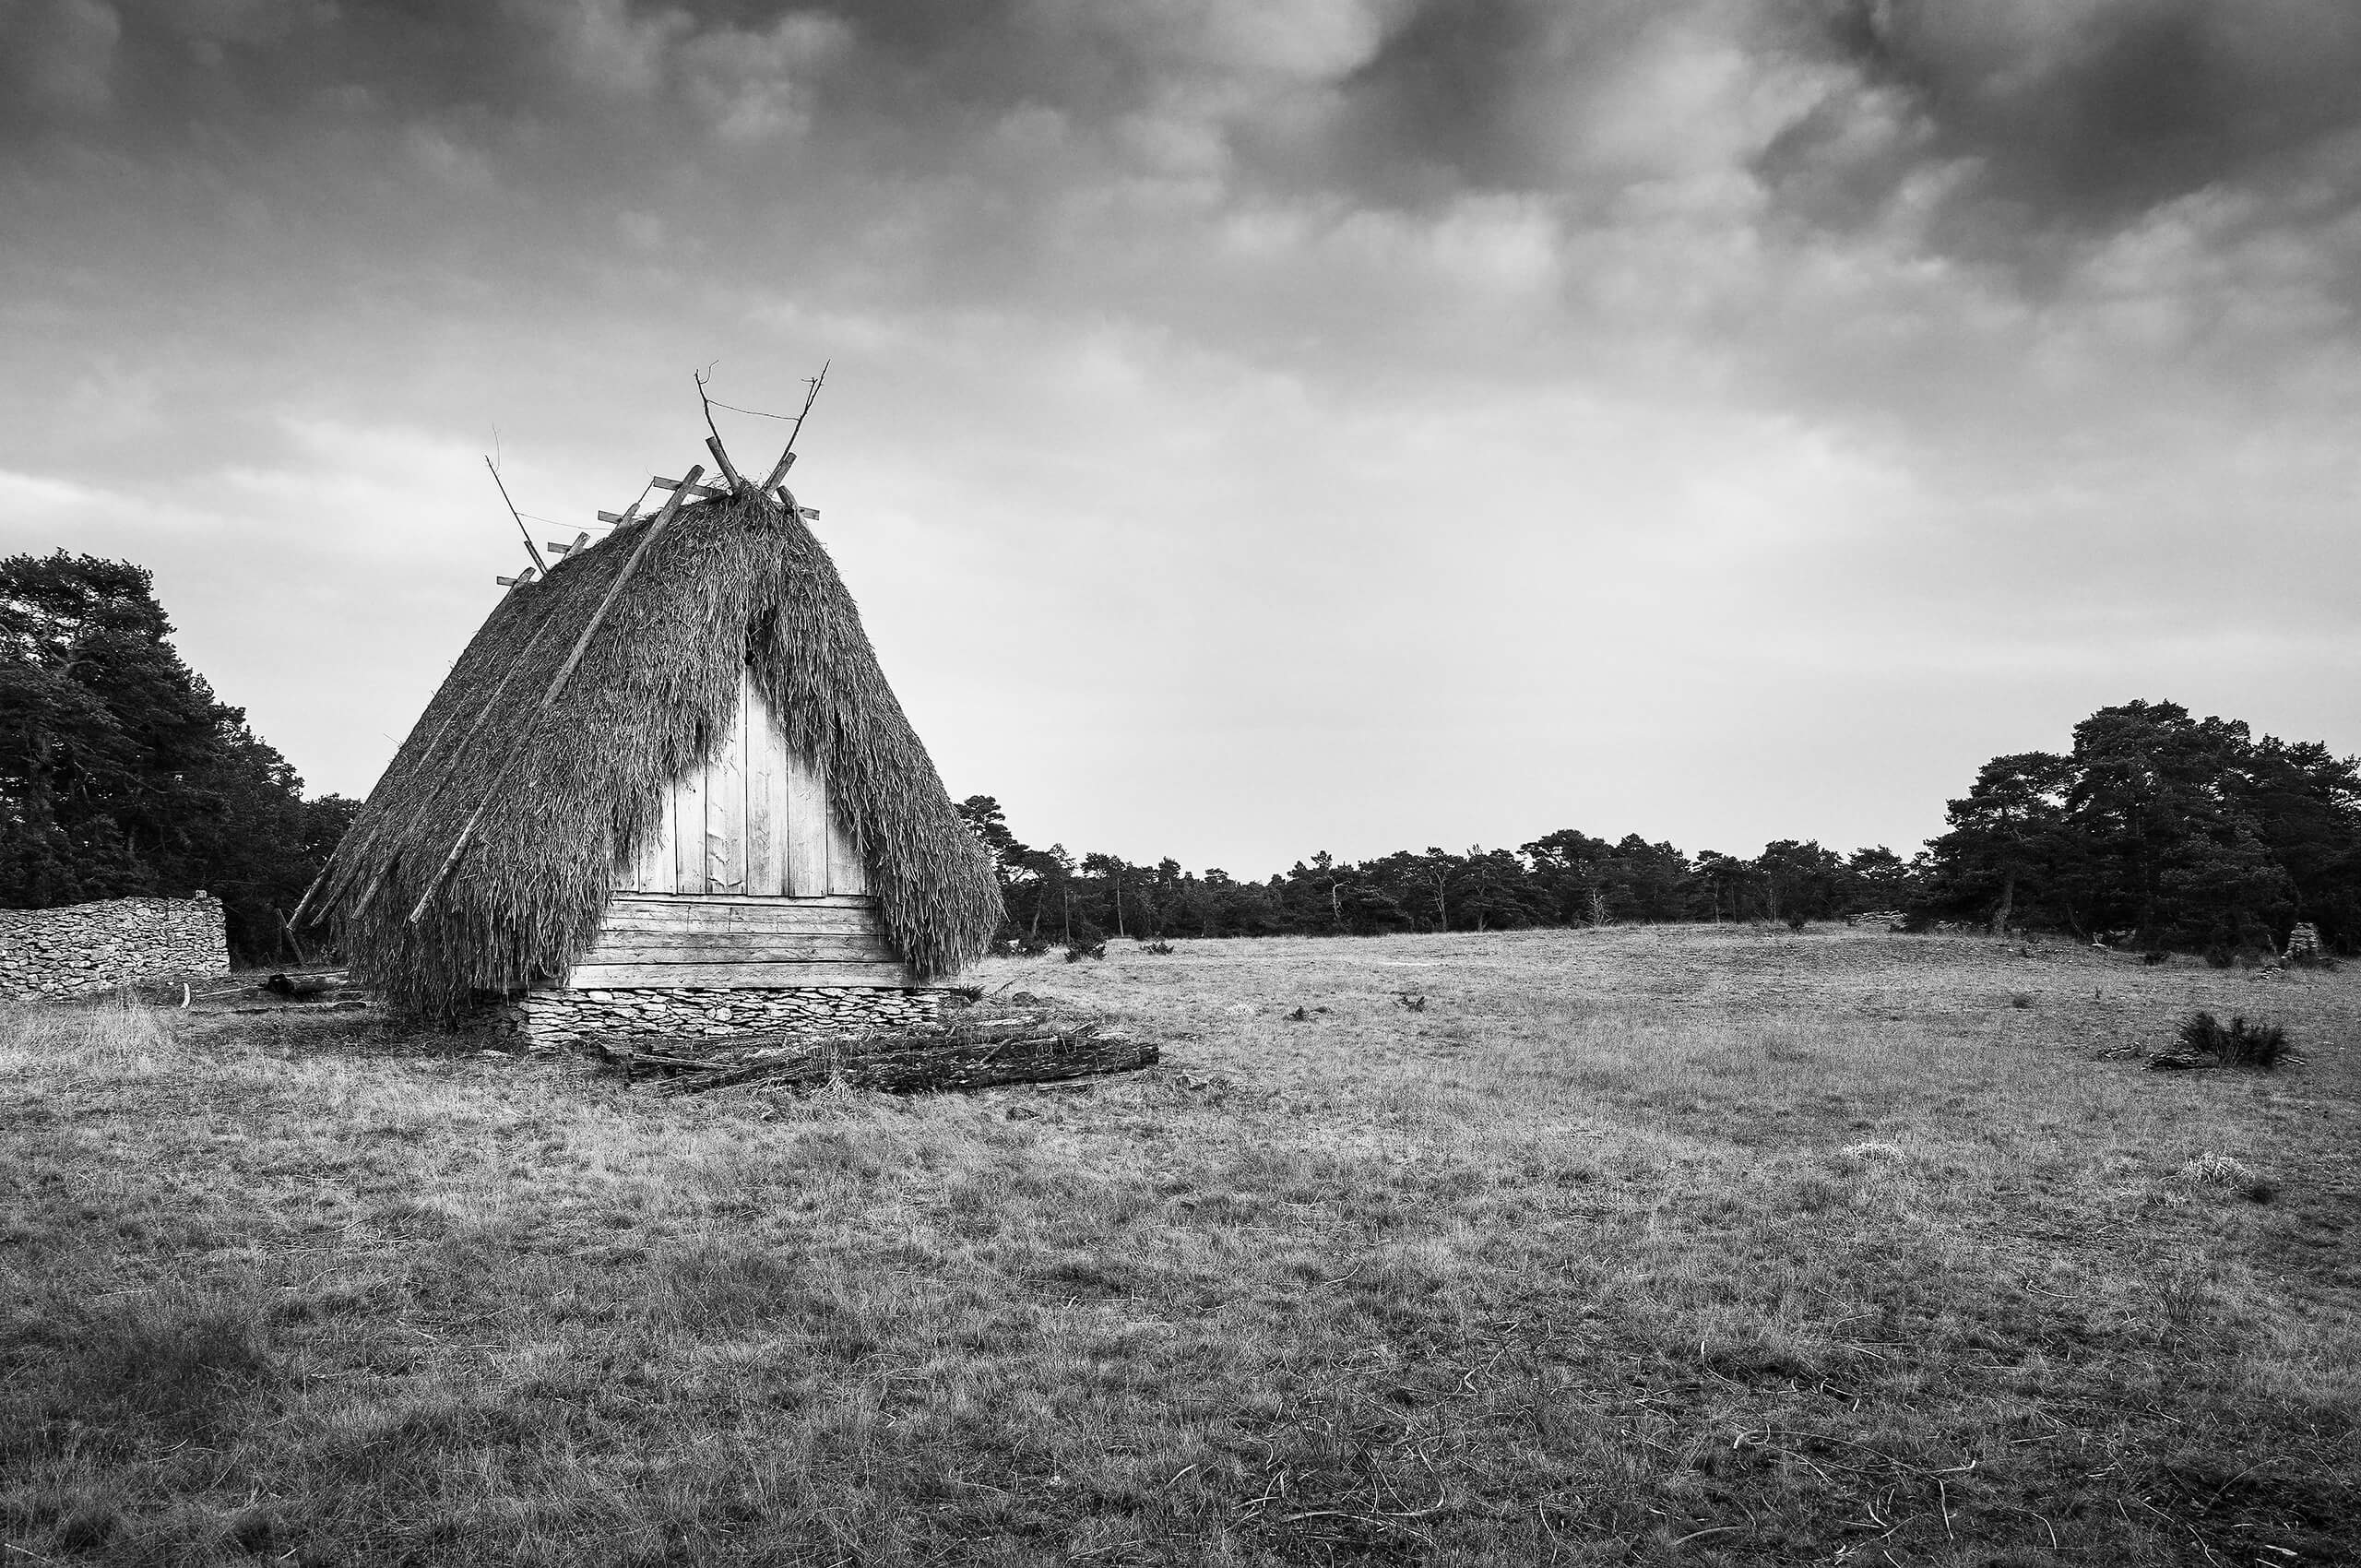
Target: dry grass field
(1650, 1245)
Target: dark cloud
(2082, 112)
(56, 60)
(1447, 103)
(2087, 114)
(1264, 173)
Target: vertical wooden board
(775, 756)
(662, 872)
(725, 805)
(650, 870)
(688, 832)
(765, 798)
(657, 875)
(846, 872)
(807, 829)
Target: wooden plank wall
(749, 881)
(715, 940)
(755, 820)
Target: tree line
(1565, 878)
(121, 772)
(2157, 828)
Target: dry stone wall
(545, 1020)
(87, 947)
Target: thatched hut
(666, 782)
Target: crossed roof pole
(772, 489)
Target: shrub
(1796, 923)
(2256, 1045)
(1160, 947)
(2259, 1046)
(2154, 956)
(2202, 1034)
(2220, 955)
(1081, 948)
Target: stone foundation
(546, 1020)
(87, 947)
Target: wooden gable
(750, 880)
(755, 822)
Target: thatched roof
(560, 794)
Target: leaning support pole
(663, 521)
(336, 887)
(557, 684)
(305, 902)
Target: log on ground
(1009, 1051)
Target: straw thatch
(569, 791)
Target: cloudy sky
(1255, 425)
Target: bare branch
(539, 565)
(713, 443)
(787, 458)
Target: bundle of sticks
(972, 1053)
(322, 992)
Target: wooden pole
(662, 520)
(713, 444)
(460, 745)
(305, 902)
(556, 685)
(335, 883)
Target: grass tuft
(2217, 1170)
